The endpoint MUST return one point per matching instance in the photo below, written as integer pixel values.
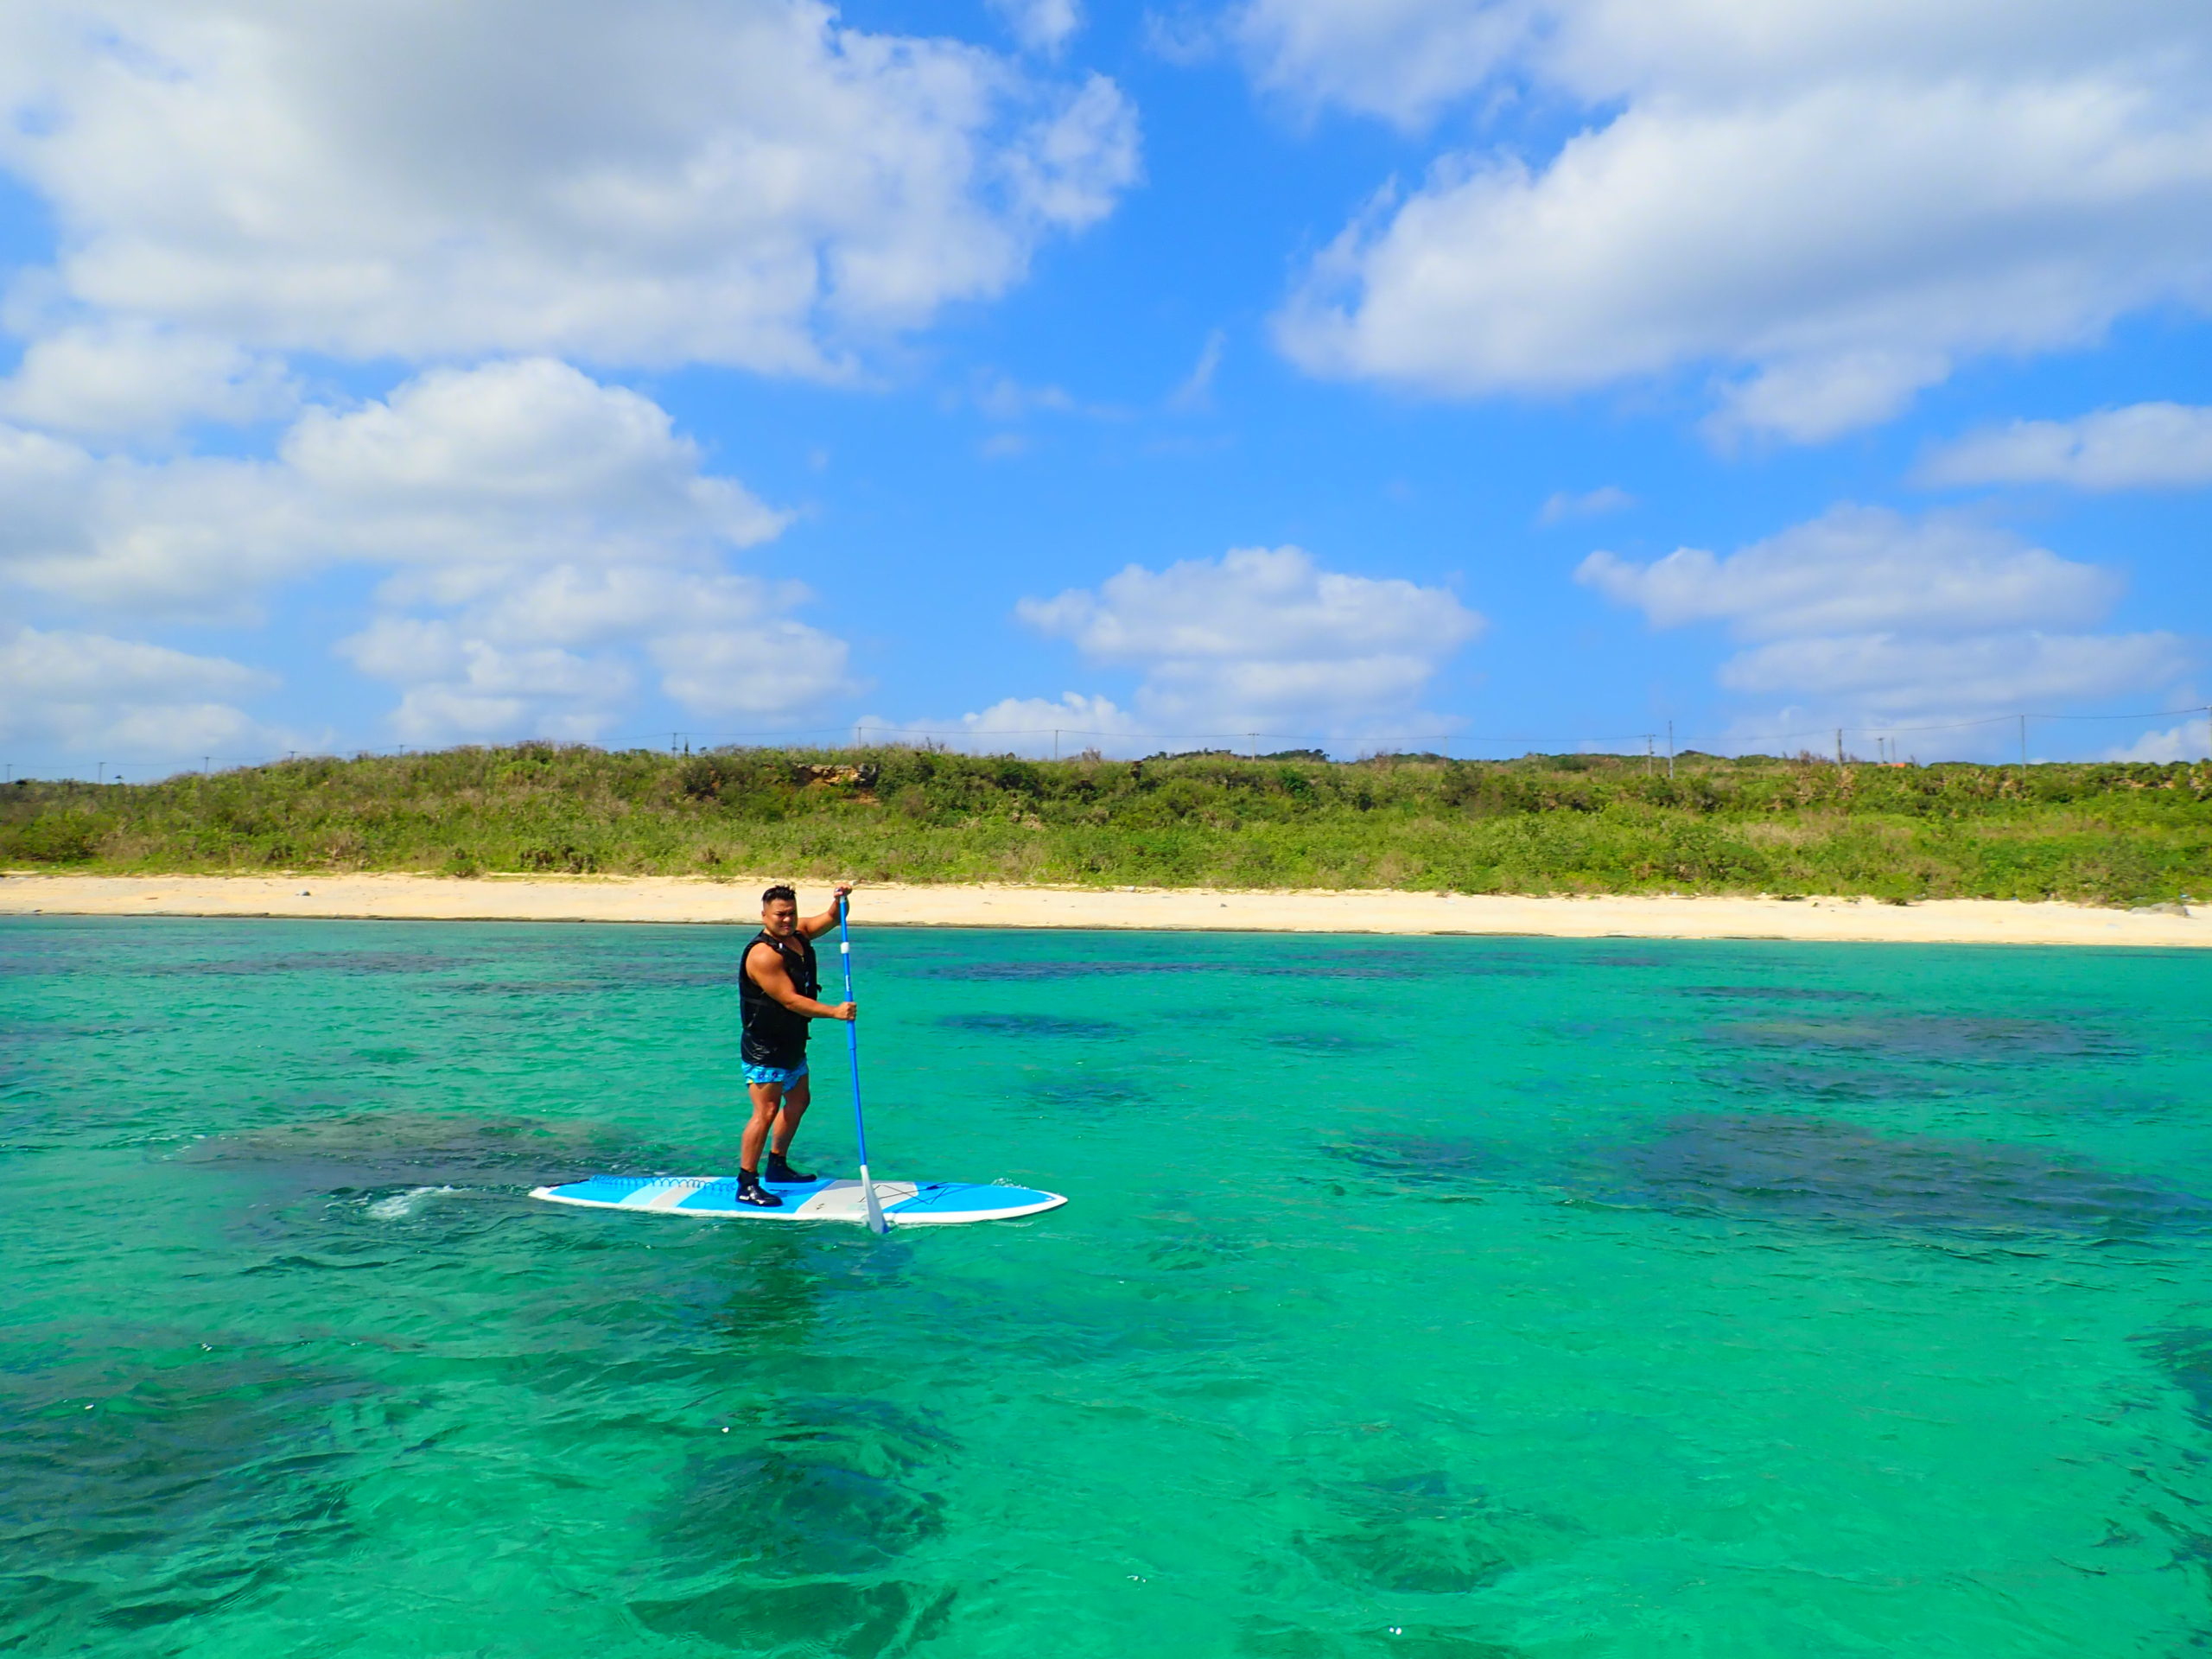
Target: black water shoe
(780, 1171)
(749, 1190)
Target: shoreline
(690, 900)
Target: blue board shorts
(786, 1074)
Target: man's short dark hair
(775, 892)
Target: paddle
(875, 1221)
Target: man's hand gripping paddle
(875, 1221)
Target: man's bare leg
(767, 1102)
(797, 1098)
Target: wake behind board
(906, 1203)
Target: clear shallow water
(1428, 1298)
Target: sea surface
(1445, 1298)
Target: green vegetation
(1544, 823)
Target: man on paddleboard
(777, 984)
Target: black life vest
(774, 1034)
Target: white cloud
(91, 668)
(539, 531)
(1002, 397)
(742, 182)
(186, 538)
(2143, 446)
(749, 182)
(1564, 504)
(2190, 740)
(745, 183)
(1812, 398)
(463, 474)
(65, 694)
(561, 461)
(1864, 618)
(1031, 726)
(1402, 59)
(1857, 568)
(1182, 36)
(457, 683)
(998, 396)
(1041, 25)
(1827, 204)
(1196, 391)
(1072, 166)
(758, 662)
(134, 379)
(1889, 675)
(1264, 640)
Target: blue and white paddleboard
(906, 1203)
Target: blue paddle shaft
(852, 1032)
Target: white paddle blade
(876, 1223)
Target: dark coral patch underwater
(367, 1150)
(139, 1490)
(364, 963)
(1031, 1025)
(1418, 1535)
(1834, 1081)
(794, 1539)
(1787, 1167)
(1774, 994)
(1328, 1045)
(1085, 1094)
(1927, 1037)
(2184, 1358)
(1266, 1639)
(1429, 1161)
(1326, 961)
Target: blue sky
(1360, 373)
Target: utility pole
(1253, 739)
(1670, 750)
(1839, 745)
(206, 764)
(2023, 741)
(672, 736)
(1056, 745)
(101, 775)
(1650, 738)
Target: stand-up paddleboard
(904, 1204)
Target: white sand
(665, 899)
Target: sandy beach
(679, 900)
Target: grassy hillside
(1563, 823)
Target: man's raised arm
(815, 926)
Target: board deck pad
(906, 1203)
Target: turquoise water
(1420, 1297)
